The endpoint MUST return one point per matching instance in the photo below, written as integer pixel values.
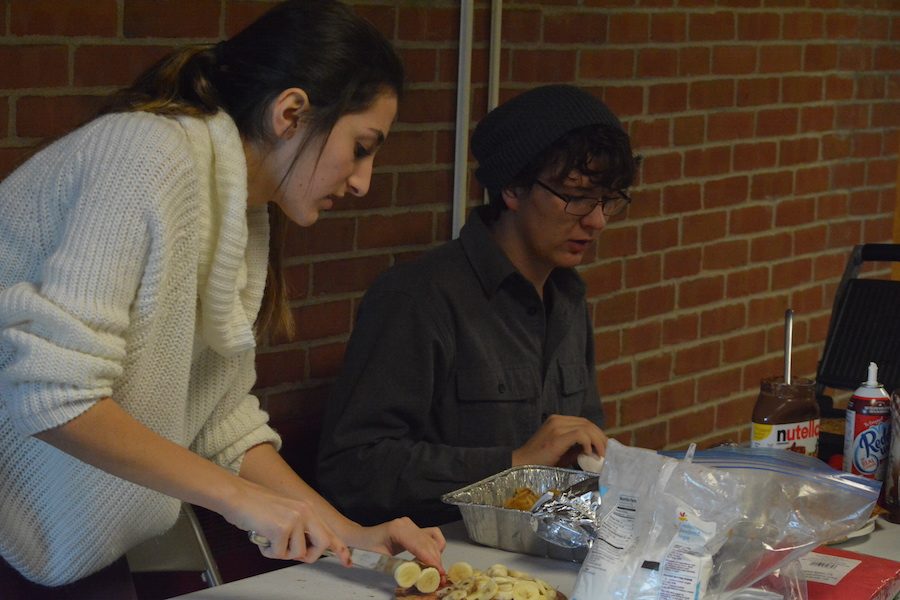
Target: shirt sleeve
(375, 461)
(63, 330)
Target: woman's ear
(287, 110)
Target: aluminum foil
(489, 524)
(570, 519)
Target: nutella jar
(786, 416)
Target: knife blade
(364, 559)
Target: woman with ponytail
(139, 262)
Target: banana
(526, 590)
(497, 571)
(487, 587)
(407, 574)
(459, 571)
(519, 575)
(429, 580)
(456, 595)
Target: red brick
(403, 229)
(42, 116)
(629, 28)
(730, 126)
(881, 172)
(707, 161)
(816, 118)
(725, 192)
(754, 92)
(63, 17)
(697, 359)
(838, 87)
(744, 346)
(871, 87)
(681, 262)
(807, 25)
(615, 309)
(35, 66)
(408, 148)
(734, 413)
(852, 116)
(725, 255)
(347, 275)
(801, 89)
(297, 278)
(811, 239)
(829, 266)
(607, 346)
(704, 227)
(734, 60)
(854, 58)
(171, 18)
(655, 301)
(687, 131)
(749, 157)
(325, 360)
(641, 338)
(684, 328)
(842, 26)
(523, 26)
(420, 64)
(777, 122)
(694, 61)
(380, 195)
(722, 320)
(653, 436)
(792, 273)
(682, 198)
(611, 63)
(114, 65)
(316, 321)
(11, 158)
(771, 185)
(624, 100)
(791, 213)
(848, 175)
(886, 114)
(659, 235)
(832, 206)
(543, 66)
(750, 219)
(4, 119)
(887, 58)
(424, 187)
(640, 407)
(428, 106)
(657, 62)
(643, 270)
(667, 98)
(704, 27)
(573, 28)
(769, 248)
(820, 57)
(427, 24)
(602, 279)
(759, 26)
(668, 28)
(747, 282)
(798, 151)
(719, 385)
(650, 134)
(615, 379)
(653, 370)
(273, 368)
(717, 93)
(657, 168)
(240, 13)
(780, 59)
(836, 146)
(329, 235)
(701, 291)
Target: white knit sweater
(131, 268)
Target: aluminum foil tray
(489, 524)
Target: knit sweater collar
(234, 240)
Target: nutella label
(802, 437)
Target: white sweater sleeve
(65, 329)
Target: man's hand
(559, 441)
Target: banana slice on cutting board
(466, 583)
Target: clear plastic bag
(722, 523)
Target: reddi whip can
(866, 435)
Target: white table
(328, 579)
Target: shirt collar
(491, 265)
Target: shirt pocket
(515, 384)
(573, 383)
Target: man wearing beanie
(479, 355)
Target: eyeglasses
(611, 204)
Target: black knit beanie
(512, 134)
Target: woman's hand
(294, 528)
(401, 534)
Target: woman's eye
(361, 151)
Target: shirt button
(501, 388)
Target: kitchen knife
(365, 559)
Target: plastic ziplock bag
(714, 523)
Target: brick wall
(770, 135)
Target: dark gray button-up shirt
(453, 363)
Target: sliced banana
(459, 571)
(526, 590)
(428, 581)
(456, 595)
(407, 574)
(519, 575)
(497, 570)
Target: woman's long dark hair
(321, 46)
